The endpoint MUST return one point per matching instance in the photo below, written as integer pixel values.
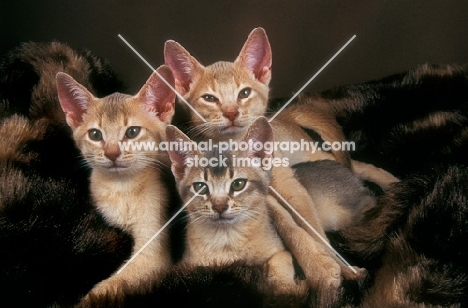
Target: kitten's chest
(126, 203)
(226, 245)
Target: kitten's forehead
(223, 167)
(225, 74)
(229, 166)
(222, 72)
(114, 108)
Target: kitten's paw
(280, 275)
(334, 277)
(106, 288)
(280, 267)
(356, 274)
(327, 273)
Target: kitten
(230, 96)
(339, 195)
(126, 184)
(229, 218)
(55, 244)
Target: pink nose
(219, 204)
(220, 208)
(231, 114)
(112, 154)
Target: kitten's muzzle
(112, 152)
(231, 114)
(220, 208)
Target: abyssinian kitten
(126, 185)
(229, 216)
(231, 95)
(55, 244)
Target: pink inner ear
(167, 111)
(259, 131)
(74, 99)
(178, 156)
(158, 96)
(182, 64)
(256, 55)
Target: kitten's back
(339, 195)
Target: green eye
(200, 187)
(210, 98)
(238, 184)
(132, 132)
(244, 93)
(95, 134)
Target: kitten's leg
(280, 274)
(291, 233)
(319, 267)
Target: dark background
(392, 36)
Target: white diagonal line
(313, 230)
(159, 232)
(313, 77)
(167, 83)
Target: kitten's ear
(256, 55)
(179, 155)
(260, 131)
(74, 99)
(182, 64)
(157, 95)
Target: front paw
(329, 274)
(108, 288)
(280, 275)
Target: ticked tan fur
(229, 114)
(242, 230)
(126, 184)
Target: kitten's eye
(200, 185)
(95, 134)
(244, 93)
(132, 132)
(238, 184)
(210, 98)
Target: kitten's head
(228, 95)
(100, 124)
(228, 191)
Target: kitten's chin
(116, 169)
(232, 131)
(224, 221)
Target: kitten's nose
(231, 114)
(112, 153)
(220, 205)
